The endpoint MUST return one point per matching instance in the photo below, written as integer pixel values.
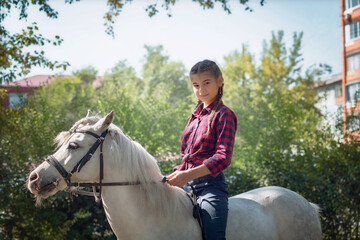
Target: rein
(73, 186)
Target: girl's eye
(73, 145)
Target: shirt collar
(200, 108)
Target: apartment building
(350, 24)
(341, 92)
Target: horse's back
(272, 213)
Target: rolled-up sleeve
(226, 126)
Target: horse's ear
(89, 113)
(104, 123)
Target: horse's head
(70, 157)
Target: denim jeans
(212, 196)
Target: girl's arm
(180, 178)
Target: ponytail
(213, 111)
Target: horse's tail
(317, 211)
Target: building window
(352, 94)
(352, 31)
(338, 90)
(16, 99)
(353, 62)
(353, 123)
(351, 3)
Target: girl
(206, 148)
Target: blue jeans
(212, 196)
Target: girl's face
(206, 86)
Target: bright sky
(190, 35)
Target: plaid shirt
(213, 149)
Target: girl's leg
(214, 211)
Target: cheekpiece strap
(92, 150)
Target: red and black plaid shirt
(214, 149)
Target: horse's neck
(120, 210)
(134, 210)
(132, 217)
(121, 204)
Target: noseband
(67, 175)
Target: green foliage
(27, 135)
(280, 140)
(337, 190)
(163, 78)
(116, 6)
(19, 52)
(125, 77)
(148, 120)
(87, 75)
(26, 139)
(272, 100)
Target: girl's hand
(179, 178)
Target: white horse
(151, 209)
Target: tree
(333, 184)
(143, 107)
(16, 58)
(164, 78)
(26, 139)
(87, 74)
(281, 139)
(273, 100)
(125, 77)
(116, 7)
(19, 52)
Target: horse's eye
(73, 145)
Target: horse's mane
(159, 197)
(64, 136)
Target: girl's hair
(208, 66)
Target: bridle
(77, 168)
(97, 195)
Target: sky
(190, 35)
